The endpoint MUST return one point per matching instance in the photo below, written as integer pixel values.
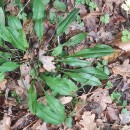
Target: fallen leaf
(5, 123)
(102, 97)
(113, 56)
(3, 85)
(65, 100)
(88, 121)
(112, 113)
(122, 45)
(123, 70)
(25, 69)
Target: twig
(23, 8)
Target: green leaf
(2, 76)
(93, 71)
(45, 2)
(105, 19)
(2, 17)
(48, 115)
(38, 10)
(66, 22)
(76, 39)
(60, 6)
(32, 99)
(8, 66)
(55, 103)
(14, 23)
(72, 61)
(124, 38)
(39, 28)
(85, 79)
(57, 50)
(62, 86)
(18, 39)
(4, 34)
(99, 50)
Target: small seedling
(125, 35)
(109, 85)
(105, 19)
(115, 96)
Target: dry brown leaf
(102, 97)
(88, 121)
(122, 45)
(5, 123)
(66, 100)
(3, 85)
(25, 69)
(123, 70)
(112, 113)
(113, 56)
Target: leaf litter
(92, 110)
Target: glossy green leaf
(60, 6)
(14, 23)
(76, 39)
(62, 86)
(66, 22)
(93, 71)
(72, 61)
(48, 115)
(8, 66)
(58, 50)
(32, 99)
(2, 17)
(39, 29)
(38, 10)
(55, 103)
(99, 50)
(84, 78)
(2, 76)
(45, 2)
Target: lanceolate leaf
(55, 103)
(85, 79)
(72, 61)
(48, 115)
(8, 66)
(32, 99)
(57, 50)
(18, 39)
(93, 71)
(14, 23)
(2, 76)
(39, 28)
(66, 22)
(38, 10)
(4, 34)
(76, 39)
(62, 86)
(2, 17)
(99, 50)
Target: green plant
(125, 36)
(64, 80)
(105, 19)
(116, 96)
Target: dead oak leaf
(102, 97)
(88, 121)
(123, 70)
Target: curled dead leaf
(3, 85)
